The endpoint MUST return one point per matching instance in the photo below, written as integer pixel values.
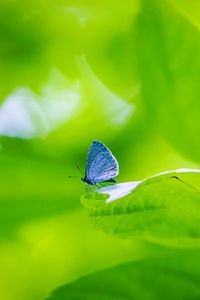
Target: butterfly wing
(101, 163)
(96, 148)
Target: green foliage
(173, 276)
(123, 73)
(167, 51)
(161, 208)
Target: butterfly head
(83, 179)
(86, 180)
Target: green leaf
(162, 208)
(167, 53)
(173, 276)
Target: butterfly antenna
(78, 168)
(71, 177)
(76, 175)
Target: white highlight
(120, 190)
(27, 115)
(116, 191)
(115, 109)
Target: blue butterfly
(101, 165)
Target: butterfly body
(90, 182)
(86, 180)
(101, 165)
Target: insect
(101, 165)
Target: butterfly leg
(87, 188)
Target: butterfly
(101, 165)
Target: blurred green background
(126, 74)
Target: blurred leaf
(24, 43)
(173, 276)
(38, 36)
(168, 56)
(49, 251)
(34, 188)
(164, 208)
(114, 110)
(189, 10)
(98, 109)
